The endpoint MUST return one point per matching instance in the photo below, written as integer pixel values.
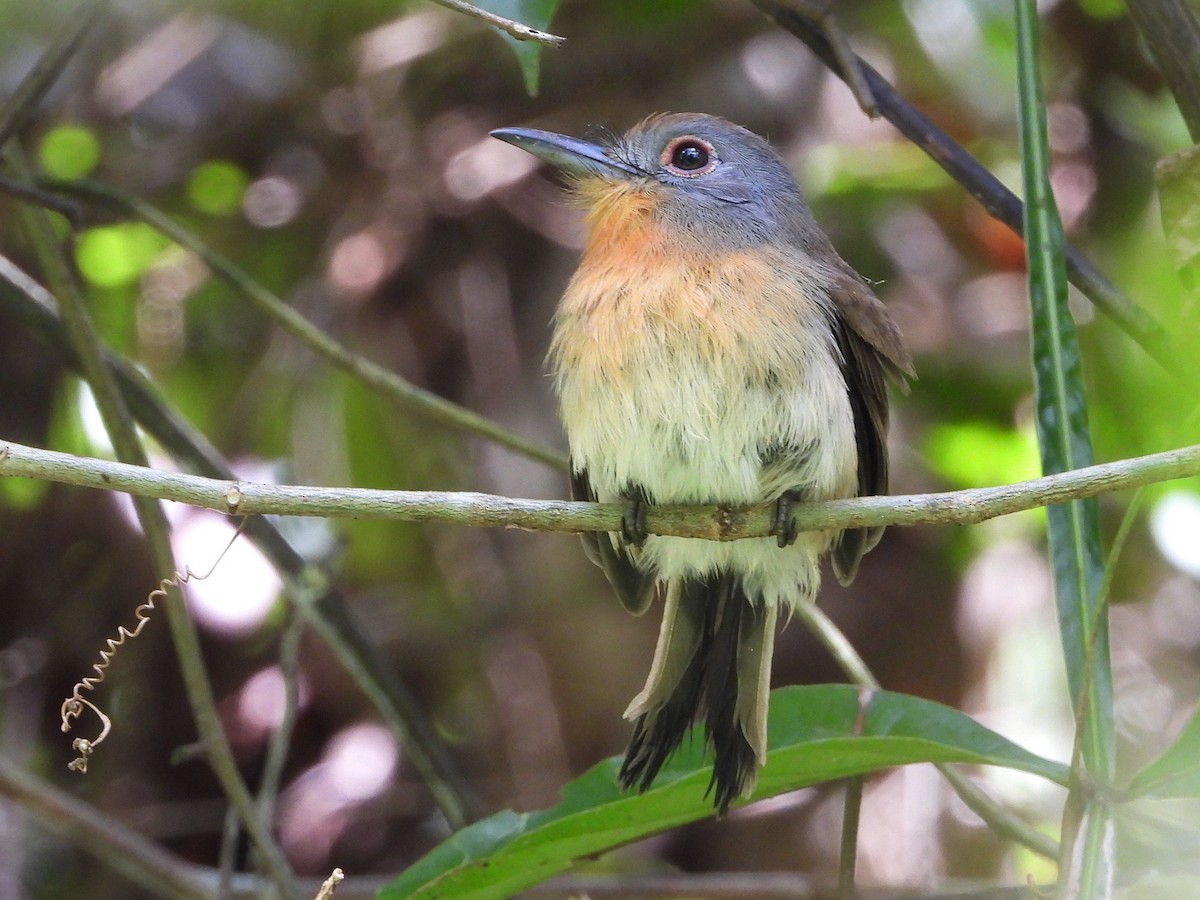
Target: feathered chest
(678, 368)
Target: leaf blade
(1064, 442)
(817, 733)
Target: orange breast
(641, 291)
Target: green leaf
(534, 13)
(816, 734)
(1065, 443)
(1062, 423)
(1175, 774)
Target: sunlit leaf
(816, 734)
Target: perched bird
(712, 347)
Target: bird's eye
(689, 157)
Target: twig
(318, 601)
(1172, 33)
(839, 45)
(137, 858)
(848, 856)
(373, 376)
(281, 738)
(34, 86)
(1135, 321)
(717, 523)
(53, 202)
(330, 884)
(508, 26)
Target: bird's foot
(783, 525)
(633, 522)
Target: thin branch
(71, 210)
(1172, 33)
(374, 376)
(137, 858)
(821, 14)
(716, 523)
(508, 26)
(848, 855)
(281, 739)
(998, 200)
(33, 87)
(317, 600)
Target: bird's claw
(633, 522)
(783, 525)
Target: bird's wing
(871, 346)
(869, 319)
(634, 587)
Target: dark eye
(689, 156)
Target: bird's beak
(569, 154)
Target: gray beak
(571, 155)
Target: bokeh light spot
(69, 151)
(116, 255)
(271, 202)
(239, 593)
(216, 187)
(1175, 525)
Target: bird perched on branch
(712, 347)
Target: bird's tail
(713, 654)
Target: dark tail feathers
(713, 655)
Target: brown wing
(633, 586)
(871, 347)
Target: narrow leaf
(534, 13)
(817, 734)
(1062, 423)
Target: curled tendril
(74, 705)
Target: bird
(712, 347)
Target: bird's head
(700, 176)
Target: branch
(20, 106)
(1172, 33)
(509, 26)
(998, 200)
(134, 856)
(716, 523)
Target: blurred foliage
(338, 153)
(69, 151)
